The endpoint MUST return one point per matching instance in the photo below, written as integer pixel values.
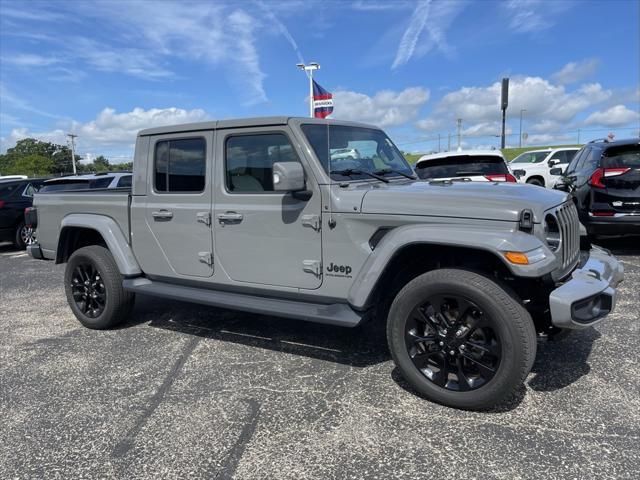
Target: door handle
(230, 217)
(162, 215)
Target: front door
(178, 208)
(263, 236)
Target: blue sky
(106, 69)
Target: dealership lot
(184, 390)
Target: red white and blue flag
(322, 101)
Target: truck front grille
(569, 224)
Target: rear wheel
(23, 236)
(460, 339)
(536, 181)
(94, 290)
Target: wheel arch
(81, 230)
(406, 252)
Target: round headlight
(552, 232)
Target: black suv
(15, 196)
(604, 179)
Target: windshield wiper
(350, 171)
(384, 171)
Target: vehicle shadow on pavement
(621, 246)
(360, 347)
(559, 364)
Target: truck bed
(55, 206)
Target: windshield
(355, 152)
(530, 157)
(461, 166)
(627, 156)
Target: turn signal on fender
(518, 258)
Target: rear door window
(7, 190)
(461, 166)
(180, 165)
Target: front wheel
(460, 339)
(535, 181)
(94, 290)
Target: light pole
(308, 69)
(459, 133)
(522, 110)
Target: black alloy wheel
(453, 342)
(88, 290)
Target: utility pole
(449, 143)
(308, 69)
(438, 143)
(459, 131)
(73, 136)
(521, 111)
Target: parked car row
(16, 195)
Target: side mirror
(289, 177)
(519, 173)
(552, 162)
(555, 171)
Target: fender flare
(116, 241)
(464, 236)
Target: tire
(94, 290)
(507, 330)
(18, 238)
(535, 181)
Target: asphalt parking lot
(189, 391)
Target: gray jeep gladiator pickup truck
(267, 215)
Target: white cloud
(29, 60)
(410, 38)
(543, 101)
(111, 130)
(433, 16)
(616, 116)
(385, 109)
(534, 16)
(574, 72)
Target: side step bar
(334, 314)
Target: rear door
(178, 206)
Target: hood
(480, 200)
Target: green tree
(101, 164)
(59, 154)
(31, 165)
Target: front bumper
(590, 294)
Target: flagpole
(308, 69)
(311, 93)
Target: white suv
(534, 166)
(465, 165)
